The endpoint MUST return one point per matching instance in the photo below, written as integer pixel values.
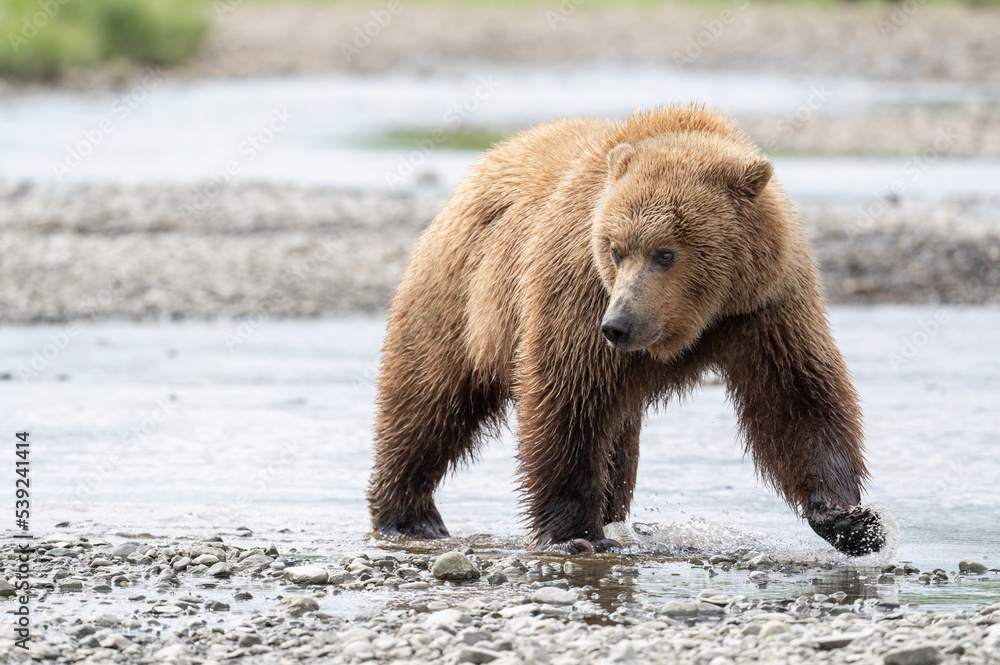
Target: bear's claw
(853, 532)
(584, 546)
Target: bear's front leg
(800, 417)
(567, 432)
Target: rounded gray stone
(456, 567)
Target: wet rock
(181, 564)
(116, 641)
(206, 560)
(926, 655)
(100, 563)
(497, 578)
(167, 609)
(298, 605)
(554, 596)
(254, 563)
(679, 609)
(477, 655)
(173, 654)
(81, 630)
(341, 578)
(124, 550)
(217, 606)
(837, 641)
(305, 575)
(6, 589)
(358, 649)
(221, 569)
(970, 566)
(451, 618)
(455, 566)
(624, 650)
(772, 628)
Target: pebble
(970, 566)
(455, 566)
(830, 642)
(221, 569)
(926, 655)
(554, 596)
(772, 628)
(305, 575)
(168, 616)
(298, 605)
(477, 655)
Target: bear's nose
(617, 329)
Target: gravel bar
(211, 601)
(115, 252)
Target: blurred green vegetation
(41, 39)
(597, 4)
(462, 138)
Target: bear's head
(687, 231)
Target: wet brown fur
(503, 301)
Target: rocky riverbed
(216, 600)
(149, 252)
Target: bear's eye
(616, 255)
(664, 258)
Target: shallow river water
(324, 130)
(174, 430)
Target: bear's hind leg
(431, 408)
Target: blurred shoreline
(145, 252)
(120, 252)
(889, 41)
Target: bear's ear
(618, 160)
(749, 177)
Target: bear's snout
(617, 330)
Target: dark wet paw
(854, 533)
(575, 546)
(429, 526)
(607, 545)
(584, 546)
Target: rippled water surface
(318, 130)
(174, 429)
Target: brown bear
(586, 270)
